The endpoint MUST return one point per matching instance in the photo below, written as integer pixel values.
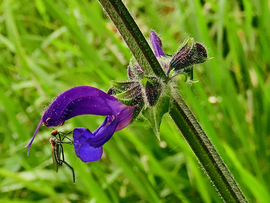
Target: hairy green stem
(204, 150)
(180, 113)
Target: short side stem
(205, 150)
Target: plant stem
(204, 150)
(179, 111)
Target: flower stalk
(179, 111)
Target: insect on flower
(86, 100)
(58, 151)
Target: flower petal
(104, 132)
(156, 44)
(83, 149)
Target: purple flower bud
(156, 44)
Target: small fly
(57, 150)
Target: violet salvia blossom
(87, 100)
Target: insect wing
(55, 153)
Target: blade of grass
(142, 185)
(42, 189)
(253, 184)
(158, 168)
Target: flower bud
(190, 54)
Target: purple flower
(87, 100)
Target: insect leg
(71, 141)
(63, 161)
(73, 174)
(61, 152)
(64, 135)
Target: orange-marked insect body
(58, 152)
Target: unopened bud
(190, 54)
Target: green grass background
(47, 47)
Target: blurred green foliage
(47, 47)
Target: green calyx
(149, 96)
